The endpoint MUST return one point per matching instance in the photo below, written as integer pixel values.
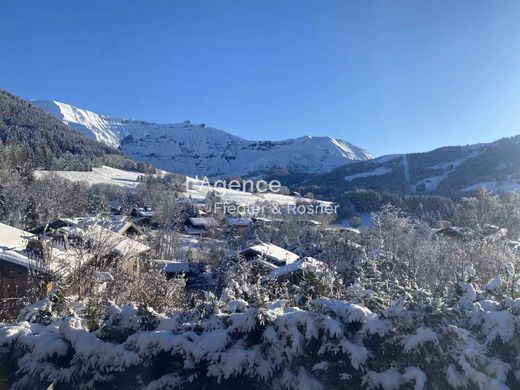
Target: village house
(57, 233)
(199, 225)
(113, 246)
(271, 253)
(20, 274)
(119, 224)
(55, 225)
(196, 275)
(239, 222)
(293, 272)
(461, 233)
(144, 216)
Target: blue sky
(389, 76)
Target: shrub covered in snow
(469, 340)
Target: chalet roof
(273, 252)
(143, 212)
(72, 221)
(238, 221)
(19, 259)
(64, 261)
(117, 243)
(192, 231)
(57, 224)
(117, 223)
(204, 222)
(455, 231)
(308, 264)
(11, 238)
(174, 267)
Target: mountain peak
(195, 149)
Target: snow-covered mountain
(495, 166)
(194, 149)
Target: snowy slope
(98, 175)
(495, 166)
(197, 191)
(194, 149)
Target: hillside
(195, 149)
(46, 142)
(458, 169)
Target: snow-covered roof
(19, 259)
(274, 252)
(67, 229)
(64, 261)
(238, 221)
(262, 219)
(174, 267)
(58, 225)
(193, 231)
(117, 243)
(11, 238)
(308, 264)
(202, 221)
(99, 175)
(73, 221)
(463, 232)
(116, 223)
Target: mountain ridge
(44, 142)
(450, 169)
(195, 149)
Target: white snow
(19, 258)
(494, 283)
(307, 264)
(98, 175)
(416, 375)
(12, 238)
(379, 171)
(494, 186)
(112, 241)
(238, 221)
(387, 380)
(422, 336)
(197, 191)
(469, 294)
(194, 149)
(431, 183)
(406, 169)
(204, 222)
(272, 251)
(173, 267)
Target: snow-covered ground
(194, 149)
(99, 175)
(431, 183)
(200, 192)
(406, 169)
(494, 186)
(130, 179)
(379, 171)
